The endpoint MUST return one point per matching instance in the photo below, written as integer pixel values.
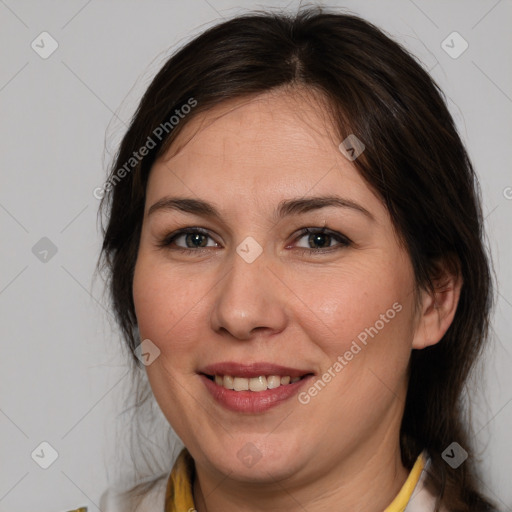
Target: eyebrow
(285, 208)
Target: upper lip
(252, 370)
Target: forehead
(263, 120)
(263, 147)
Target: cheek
(166, 305)
(167, 310)
(374, 353)
(354, 302)
(361, 320)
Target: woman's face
(254, 296)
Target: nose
(249, 298)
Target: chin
(256, 460)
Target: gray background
(61, 366)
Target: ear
(437, 308)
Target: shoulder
(145, 497)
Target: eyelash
(344, 241)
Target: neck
(365, 481)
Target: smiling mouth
(256, 384)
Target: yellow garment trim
(403, 497)
(179, 493)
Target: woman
(294, 248)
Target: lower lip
(252, 401)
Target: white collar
(422, 500)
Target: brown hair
(414, 159)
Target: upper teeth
(260, 383)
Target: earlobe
(437, 309)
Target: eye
(194, 239)
(322, 237)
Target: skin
(303, 310)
